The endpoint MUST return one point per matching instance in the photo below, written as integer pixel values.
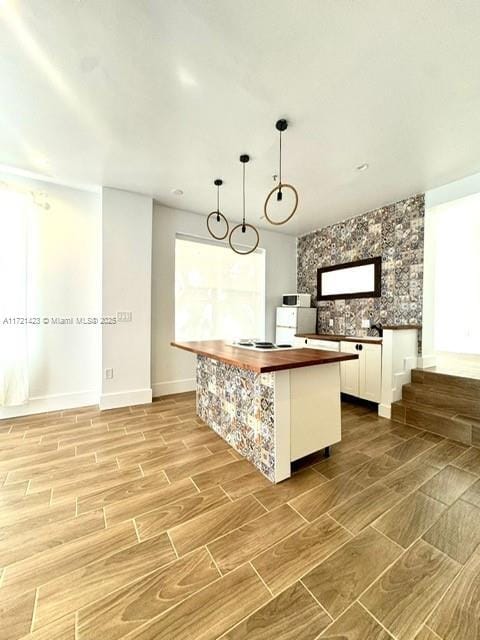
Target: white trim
(399, 357)
(282, 422)
(125, 398)
(173, 386)
(43, 404)
(385, 411)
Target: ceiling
(158, 95)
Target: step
(445, 423)
(444, 399)
(457, 385)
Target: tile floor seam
(434, 633)
(213, 560)
(343, 526)
(248, 522)
(388, 537)
(297, 512)
(457, 576)
(263, 581)
(377, 620)
(228, 496)
(315, 598)
(403, 551)
(136, 530)
(193, 482)
(173, 546)
(35, 601)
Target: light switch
(330, 322)
(108, 374)
(366, 323)
(124, 316)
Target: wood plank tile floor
(141, 523)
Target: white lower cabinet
(349, 370)
(324, 345)
(362, 377)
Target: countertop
(338, 338)
(368, 339)
(263, 361)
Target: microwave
(297, 300)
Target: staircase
(444, 404)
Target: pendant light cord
(218, 203)
(243, 221)
(279, 193)
(280, 163)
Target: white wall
(174, 370)
(433, 199)
(126, 286)
(63, 280)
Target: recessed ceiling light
(177, 192)
(186, 78)
(362, 167)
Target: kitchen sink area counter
(273, 406)
(383, 366)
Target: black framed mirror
(358, 279)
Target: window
(218, 294)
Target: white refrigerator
(293, 320)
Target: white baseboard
(174, 386)
(385, 410)
(425, 362)
(125, 398)
(43, 404)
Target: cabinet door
(370, 372)
(287, 317)
(349, 370)
(284, 335)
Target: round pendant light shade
(244, 225)
(281, 126)
(217, 224)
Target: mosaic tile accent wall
(396, 233)
(239, 405)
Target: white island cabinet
(273, 407)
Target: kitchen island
(274, 406)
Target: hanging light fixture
(280, 125)
(217, 216)
(244, 225)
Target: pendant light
(244, 225)
(280, 125)
(217, 216)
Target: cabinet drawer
(325, 345)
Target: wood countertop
(366, 339)
(263, 361)
(338, 338)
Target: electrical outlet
(330, 322)
(124, 316)
(366, 323)
(108, 374)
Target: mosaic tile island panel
(239, 405)
(395, 232)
